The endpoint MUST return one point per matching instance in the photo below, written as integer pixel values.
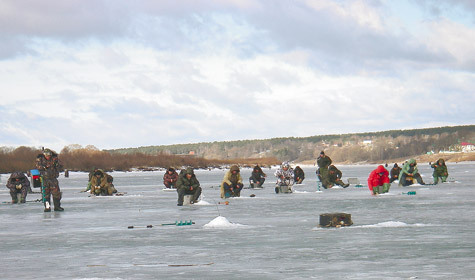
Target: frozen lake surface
(430, 235)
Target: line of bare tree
(76, 158)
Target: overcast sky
(117, 74)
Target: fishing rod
(176, 223)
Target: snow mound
(202, 202)
(221, 222)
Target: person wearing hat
(170, 178)
(285, 175)
(232, 185)
(101, 184)
(323, 163)
(299, 175)
(18, 183)
(394, 173)
(188, 184)
(440, 171)
(334, 176)
(49, 166)
(409, 173)
(378, 181)
(258, 177)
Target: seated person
(18, 183)
(440, 171)
(110, 179)
(232, 185)
(334, 177)
(299, 175)
(408, 173)
(169, 178)
(285, 175)
(188, 184)
(378, 181)
(395, 173)
(257, 178)
(100, 184)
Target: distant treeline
(350, 148)
(76, 158)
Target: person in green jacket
(440, 171)
(323, 163)
(188, 184)
(408, 173)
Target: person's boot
(57, 205)
(47, 205)
(14, 200)
(22, 200)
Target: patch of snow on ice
(221, 222)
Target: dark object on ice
(252, 195)
(335, 220)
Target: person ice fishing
(232, 185)
(334, 177)
(257, 178)
(323, 163)
(18, 183)
(408, 173)
(101, 183)
(395, 173)
(188, 184)
(378, 181)
(48, 165)
(285, 176)
(440, 171)
(299, 175)
(170, 178)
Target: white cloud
(225, 70)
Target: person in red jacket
(378, 181)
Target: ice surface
(430, 235)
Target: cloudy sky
(118, 74)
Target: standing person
(170, 178)
(378, 181)
(299, 175)
(440, 171)
(188, 184)
(49, 166)
(334, 176)
(323, 163)
(395, 173)
(408, 173)
(257, 178)
(18, 183)
(232, 185)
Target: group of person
(186, 183)
(327, 173)
(379, 180)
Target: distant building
(467, 147)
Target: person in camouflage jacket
(440, 171)
(48, 165)
(408, 173)
(101, 183)
(18, 183)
